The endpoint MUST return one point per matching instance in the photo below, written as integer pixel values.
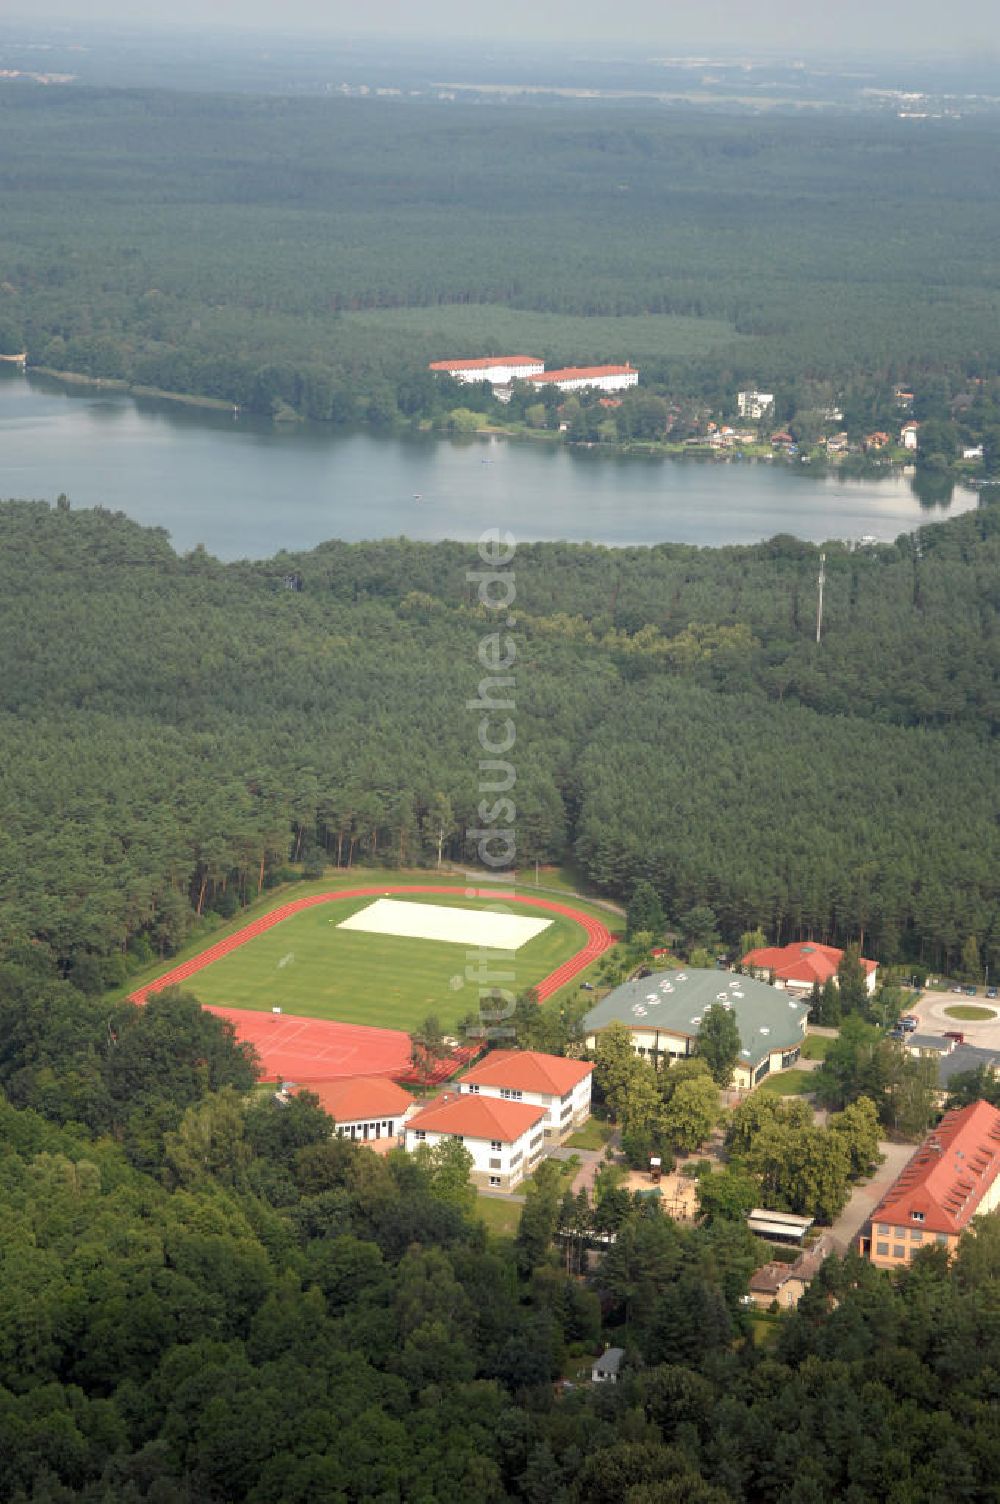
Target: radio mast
(819, 604)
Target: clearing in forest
(313, 965)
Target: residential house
(506, 1139)
(972, 452)
(877, 440)
(753, 404)
(908, 435)
(562, 1087)
(787, 1283)
(608, 1366)
(953, 1177)
(782, 439)
(797, 966)
(664, 1011)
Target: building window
(898, 1251)
(762, 1070)
(942, 1239)
(472, 1088)
(494, 1164)
(508, 1095)
(882, 1249)
(917, 1216)
(915, 1236)
(494, 1180)
(419, 1135)
(496, 1145)
(883, 1228)
(515, 1159)
(458, 1138)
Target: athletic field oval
(596, 940)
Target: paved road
(930, 1010)
(869, 1193)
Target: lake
(247, 488)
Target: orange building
(953, 1177)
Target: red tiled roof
(359, 1098)
(484, 362)
(804, 961)
(528, 1070)
(478, 1117)
(577, 373)
(949, 1175)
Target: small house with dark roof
(664, 1010)
(787, 1283)
(953, 1177)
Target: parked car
(959, 990)
(955, 1034)
(970, 991)
(992, 992)
(908, 1022)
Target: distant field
(490, 327)
(310, 967)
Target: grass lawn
(815, 1047)
(971, 1013)
(764, 1328)
(788, 1083)
(593, 1135)
(500, 1215)
(309, 966)
(559, 338)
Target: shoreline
(652, 449)
(128, 389)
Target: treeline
(228, 1304)
(175, 732)
(235, 247)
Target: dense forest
(175, 732)
(207, 1298)
(311, 255)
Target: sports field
(310, 966)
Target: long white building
(577, 378)
(498, 370)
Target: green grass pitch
(307, 966)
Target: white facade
(497, 1164)
(367, 1130)
(753, 404)
(562, 1114)
(498, 371)
(908, 436)
(577, 379)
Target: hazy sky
(663, 25)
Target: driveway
(930, 1010)
(867, 1195)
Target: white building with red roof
(796, 967)
(506, 1139)
(498, 370)
(576, 378)
(953, 1177)
(366, 1108)
(562, 1087)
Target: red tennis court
(290, 1047)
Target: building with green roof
(664, 1013)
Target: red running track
(290, 1046)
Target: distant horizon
(854, 32)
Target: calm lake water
(246, 489)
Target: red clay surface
(289, 1046)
